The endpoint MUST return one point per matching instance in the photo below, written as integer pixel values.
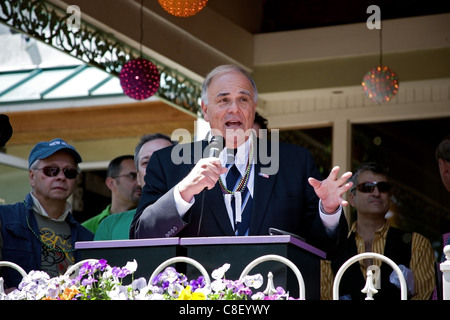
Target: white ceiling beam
(13, 161)
(398, 35)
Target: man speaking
(236, 193)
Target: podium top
(200, 241)
(252, 240)
(127, 243)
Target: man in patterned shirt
(372, 232)
(40, 232)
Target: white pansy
(258, 296)
(175, 289)
(218, 285)
(254, 281)
(131, 266)
(139, 284)
(220, 272)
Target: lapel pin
(263, 175)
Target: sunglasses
(369, 187)
(131, 176)
(69, 173)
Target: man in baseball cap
(40, 232)
(45, 149)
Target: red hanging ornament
(139, 79)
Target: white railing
(170, 261)
(14, 266)
(72, 271)
(270, 290)
(445, 268)
(370, 288)
(270, 287)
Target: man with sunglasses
(372, 232)
(40, 232)
(121, 179)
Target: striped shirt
(422, 263)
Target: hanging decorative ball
(183, 8)
(139, 79)
(380, 84)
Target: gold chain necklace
(244, 180)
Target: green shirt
(93, 223)
(116, 226)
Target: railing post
(445, 268)
(365, 255)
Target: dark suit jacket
(284, 200)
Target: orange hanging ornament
(183, 8)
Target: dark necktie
(233, 179)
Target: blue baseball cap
(45, 149)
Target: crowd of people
(226, 192)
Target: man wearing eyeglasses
(40, 232)
(117, 226)
(372, 232)
(121, 179)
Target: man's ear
(351, 199)
(205, 111)
(31, 177)
(110, 183)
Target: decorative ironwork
(49, 24)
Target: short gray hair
(369, 166)
(221, 70)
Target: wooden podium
(213, 252)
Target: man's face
(231, 107)
(125, 184)
(53, 188)
(144, 156)
(371, 203)
(444, 170)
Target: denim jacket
(21, 246)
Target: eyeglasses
(369, 187)
(69, 173)
(131, 176)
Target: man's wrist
(328, 212)
(182, 205)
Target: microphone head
(217, 140)
(216, 146)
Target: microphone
(215, 147)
